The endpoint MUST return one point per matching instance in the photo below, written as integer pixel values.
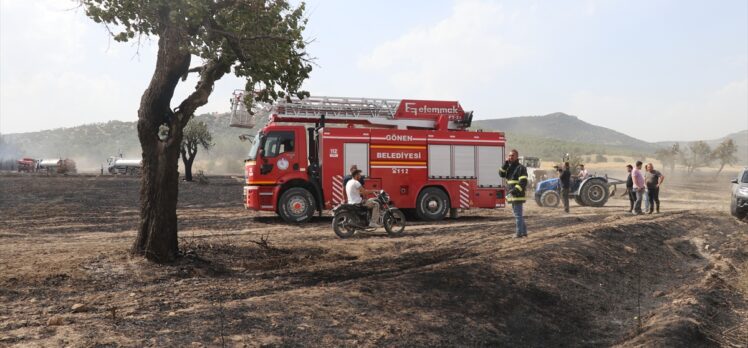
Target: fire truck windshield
(255, 146)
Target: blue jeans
(638, 203)
(519, 219)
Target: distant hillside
(90, 145)
(566, 128)
(548, 137)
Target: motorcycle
(349, 218)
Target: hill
(548, 137)
(90, 145)
(566, 128)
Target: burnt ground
(595, 277)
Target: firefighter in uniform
(516, 180)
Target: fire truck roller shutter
(463, 158)
(489, 161)
(358, 154)
(440, 165)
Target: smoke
(8, 151)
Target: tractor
(593, 191)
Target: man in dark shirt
(565, 179)
(630, 188)
(653, 179)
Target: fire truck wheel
(296, 205)
(432, 204)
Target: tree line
(698, 154)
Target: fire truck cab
(416, 150)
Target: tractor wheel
(432, 204)
(594, 193)
(296, 205)
(550, 199)
(538, 201)
(579, 200)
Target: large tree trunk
(157, 233)
(188, 151)
(188, 170)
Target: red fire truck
(418, 151)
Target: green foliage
(725, 153)
(698, 155)
(668, 156)
(196, 134)
(261, 39)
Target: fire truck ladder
(379, 112)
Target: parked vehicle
(418, 150)
(739, 196)
(593, 191)
(349, 218)
(28, 165)
(534, 173)
(57, 166)
(119, 165)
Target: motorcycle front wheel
(343, 224)
(394, 222)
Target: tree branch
(195, 69)
(209, 74)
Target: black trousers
(632, 198)
(654, 197)
(565, 198)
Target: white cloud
(461, 53)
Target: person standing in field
(653, 180)
(638, 180)
(516, 180)
(565, 179)
(630, 189)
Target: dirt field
(595, 277)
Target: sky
(656, 70)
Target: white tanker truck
(119, 165)
(56, 166)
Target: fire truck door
(278, 153)
(358, 154)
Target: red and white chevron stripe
(337, 189)
(464, 195)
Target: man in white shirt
(582, 172)
(354, 190)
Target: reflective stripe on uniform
(515, 199)
(502, 170)
(518, 187)
(522, 177)
(512, 182)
